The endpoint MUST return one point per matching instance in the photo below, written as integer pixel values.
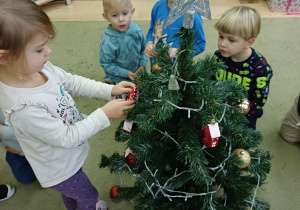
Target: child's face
(119, 17)
(232, 46)
(37, 53)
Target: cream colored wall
(91, 10)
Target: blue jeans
(20, 168)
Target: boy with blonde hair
(122, 44)
(238, 28)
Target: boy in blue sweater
(122, 44)
(158, 34)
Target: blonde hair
(109, 4)
(20, 21)
(240, 21)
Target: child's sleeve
(53, 131)
(149, 36)
(200, 42)
(8, 139)
(81, 86)
(260, 89)
(143, 59)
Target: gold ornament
(244, 106)
(244, 156)
(156, 68)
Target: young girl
(37, 104)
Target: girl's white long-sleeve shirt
(48, 124)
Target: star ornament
(187, 8)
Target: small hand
(149, 50)
(116, 109)
(121, 88)
(141, 68)
(131, 75)
(172, 52)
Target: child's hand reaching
(131, 75)
(141, 68)
(149, 50)
(121, 88)
(172, 52)
(116, 109)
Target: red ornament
(130, 158)
(210, 135)
(114, 192)
(132, 94)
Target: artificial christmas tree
(174, 168)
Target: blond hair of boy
(240, 21)
(110, 4)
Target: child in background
(122, 44)
(290, 128)
(14, 154)
(157, 34)
(238, 28)
(37, 104)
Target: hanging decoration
(156, 68)
(244, 156)
(114, 192)
(244, 106)
(130, 158)
(132, 95)
(211, 134)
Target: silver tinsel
(187, 8)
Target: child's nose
(48, 50)
(223, 43)
(121, 18)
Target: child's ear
(132, 11)
(4, 57)
(105, 16)
(250, 42)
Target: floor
(83, 10)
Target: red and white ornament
(211, 134)
(130, 158)
(133, 94)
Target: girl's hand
(149, 50)
(121, 88)
(117, 108)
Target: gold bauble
(244, 156)
(156, 68)
(244, 106)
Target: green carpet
(76, 49)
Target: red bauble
(132, 94)
(114, 192)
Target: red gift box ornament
(133, 94)
(211, 134)
(130, 158)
